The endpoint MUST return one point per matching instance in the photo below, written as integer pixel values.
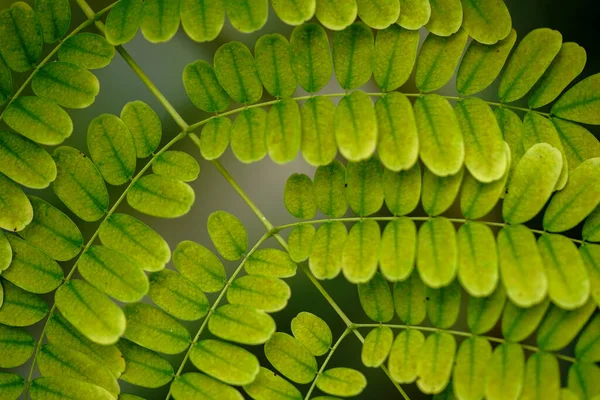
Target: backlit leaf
(341, 382)
(144, 367)
(439, 192)
(176, 164)
(398, 249)
(414, 13)
(247, 15)
(5, 252)
(269, 386)
(325, 260)
(318, 140)
(6, 83)
(294, 12)
(591, 227)
(224, 361)
(505, 372)
(15, 209)
(438, 58)
(16, 346)
(410, 300)
(200, 266)
(274, 64)
(514, 135)
(270, 262)
(486, 22)
(291, 358)
(202, 20)
(193, 385)
(404, 356)
(443, 305)
(312, 332)
(395, 55)
(436, 360)
(236, 71)
(484, 312)
(352, 54)
(446, 17)
(472, 362)
(580, 103)
(25, 162)
(518, 323)
(88, 50)
(355, 126)
(376, 299)
(591, 259)
(144, 125)
(90, 311)
(67, 84)
(588, 344)
(378, 14)
(54, 17)
(261, 292)
(228, 235)
(283, 131)
(160, 20)
(300, 242)
(582, 380)
(311, 58)
(20, 308)
(336, 15)
(477, 259)
(561, 326)
(177, 295)
(578, 143)
(215, 137)
(402, 189)
(437, 252)
(21, 33)
(364, 189)
(161, 196)
(248, 135)
(298, 196)
(361, 251)
(329, 187)
(242, 324)
(57, 388)
(123, 21)
(542, 377)
(202, 87)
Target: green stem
(464, 334)
(45, 61)
(214, 307)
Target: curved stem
(464, 334)
(214, 307)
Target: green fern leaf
(360, 253)
(224, 361)
(20, 308)
(325, 260)
(439, 192)
(588, 344)
(377, 346)
(21, 33)
(560, 327)
(436, 362)
(519, 323)
(443, 305)
(202, 20)
(54, 18)
(263, 293)
(337, 14)
(283, 131)
(16, 346)
(123, 21)
(342, 382)
(177, 295)
(410, 300)
(477, 259)
(88, 50)
(242, 324)
(66, 84)
(394, 57)
(311, 58)
(12, 386)
(398, 249)
(6, 83)
(404, 355)
(57, 388)
(248, 135)
(269, 386)
(472, 359)
(16, 211)
(446, 17)
(484, 312)
(200, 266)
(247, 15)
(329, 189)
(376, 299)
(352, 54)
(274, 65)
(291, 358)
(318, 139)
(437, 252)
(25, 162)
(582, 378)
(355, 126)
(579, 104)
(215, 138)
(312, 332)
(591, 259)
(378, 14)
(160, 20)
(486, 22)
(414, 13)
(505, 374)
(194, 385)
(144, 125)
(203, 88)
(300, 242)
(161, 196)
(402, 189)
(144, 367)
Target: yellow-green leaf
(298, 196)
(436, 360)
(581, 102)
(215, 137)
(355, 126)
(582, 380)
(376, 299)
(514, 135)
(410, 299)
(318, 139)
(21, 33)
(591, 259)
(402, 189)
(193, 385)
(123, 21)
(90, 311)
(283, 131)
(329, 187)
(200, 266)
(154, 329)
(58, 388)
(177, 295)
(203, 89)
(274, 64)
(484, 312)
(66, 84)
(161, 196)
(446, 17)
(270, 262)
(300, 242)
(439, 192)
(176, 164)
(294, 12)
(437, 252)
(443, 305)
(437, 60)
(440, 139)
(518, 323)
(228, 235)
(378, 14)
(336, 14)
(398, 249)
(224, 361)
(20, 308)
(404, 356)
(25, 162)
(264, 293)
(247, 15)
(5, 252)
(591, 227)
(528, 63)
(54, 18)
(394, 56)
(291, 358)
(16, 211)
(88, 50)
(588, 344)
(248, 135)
(472, 362)
(352, 54)
(341, 382)
(325, 260)
(361, 251)
(312, 332)
(236, 72)
(160, 20)
(364, 189)
(16, 346)
(311, 58)
(202, 20)
(578, 143)
(542, 377)
(242, 324)
(561, 326)
(269, 386)
(505, 372)
(477, 259)
(414, 14)
(487, 22)
(523, 201)
(144, 125)
(144, 367)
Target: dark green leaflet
(144, 367)
(247, 15)
(311, 58)
(518, 323)
(144, 125)
(16, 345)
(274, 65)
(202, 20)
(443, 305)
(123, 21)
(560, 326)
(88, 50)
(160, 20)
(394, 56)
(352, 54)
(6, 83)
(21, 33)
(25, 162)
(402, 189)
(410, 299)
(582, 380)
(202, 87)
(376, 299)
(54, 17)
(484, 312)
(439, 193)
(236, 71)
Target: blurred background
(264, 180)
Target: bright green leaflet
(439, 192)
(123, 21)
(518, 323)
(57, 388)
(269, 386)
(582, 378)
(67, 84)
(261, 292)
(472, 360)
(591, 258)
(527, 64)
(443, 305)
(523, 201)
(88, 50)
(178, 296)
(202, 87)
(477, 259)
(161, 196)
(360, 255)
(154, 329)
(113, 273)
(228, 235)
(242, 324)
(318, 139)
(6, 83)
(31, 269)
(311, 57)
(20, 308)
(394, 57)
(61, 361)
(398, 249)
(291, 358)
(90, 311)
(160, 20)
(514, 135)
(79, 184)
(588, 344)
(446, 17)
(38, 119)
(228, 363)
(561, 326)
(377, 346)
(112, 148)
(294, 12)
(329, 187)
(402, 189)
(298, 196)
(5, 251)
(15, 209)
(25, 162)
(283, 131)
(437, 60)
(487, 22)
(336, 14)
(274, 64)
(440, 140)
(312, 332)
(364, 189)
(202, 20)
(236, 72)
(437, 252)
(137, 240)
(579, 144)
(200, 266)
(248, 135)
(215, 138)
(436, 362)
(581, 102)
(485, 154)
(378, 14)
(398, 139)
(376, 298)
(193, 385)
(54, 17)
(342, 382)
(566, 66)
(521, 266)
(404, 355)
(355, 126)
(505, 372)
(16, 346)
(144, 125)
(300, 242)
(270, 262)
(144, 367)
(414, 13)
(542, 377)
(21, 33)
(484, 312)
(352, 54)
(247, 15)
(481, 64)
(410, 299)
(176, 164)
